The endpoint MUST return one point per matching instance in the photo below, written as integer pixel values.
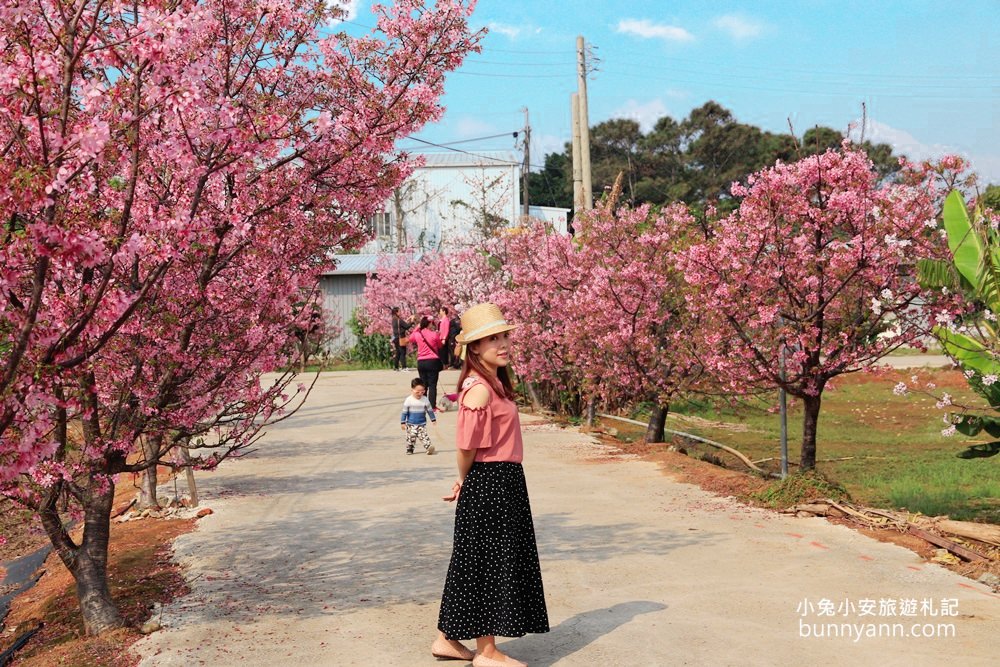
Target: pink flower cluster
(175, 178)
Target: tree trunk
(657, 423)
(147, 486)
(810, 419)
(88, 562)
(591, 411)
(189, 473)
(536, 404)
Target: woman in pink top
(494, 584)
(429, 366)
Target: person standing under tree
(494, 583)
(429, 366)
(399, 341)
(447, 337)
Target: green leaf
(965, 245)
(968, 425)
(936, 273)
(980, 451)
(991, 426)
(969, 352)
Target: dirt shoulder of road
(141, 574)
(743, 486)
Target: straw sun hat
(480, 321)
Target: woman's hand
(456, 488)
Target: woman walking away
(494, 584)
(429, 365)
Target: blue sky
(927, 72)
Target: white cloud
(468, 127)
(543, 144)
(904, 143)
(350, 8)
(649, 30)
(512, 32)
(739, 27)
(508, 31)
(644, 113)
(988, 168)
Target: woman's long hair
(473, 365)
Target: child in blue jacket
(413, 420)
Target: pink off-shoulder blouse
(493, 430)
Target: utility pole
(581, 82)
(527, 164)
(577, 168)
(783, 405)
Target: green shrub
(798, 488)
(371, 350)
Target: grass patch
(882, 449)
(939, 485)
(799, 488)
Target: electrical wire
(461, 72)
(492, 136)
(459, 150)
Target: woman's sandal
(445, 650)
(483, 661)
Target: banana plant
(975, 270)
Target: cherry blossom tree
(633, 335)
(421, 283)
(536, 289)
(174, 178)
(818, 266)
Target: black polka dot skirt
(494, 584)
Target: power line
(510, 76)
(828, 93)
(521, 52)
(477, 61)
(492, 136)
(459, 150)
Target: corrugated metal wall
(341, 295)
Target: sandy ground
(329, 546)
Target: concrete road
(329, 546)
(917, 361)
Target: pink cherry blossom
(169, 200)
(804, 281)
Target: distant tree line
(692, 161)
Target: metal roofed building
(448, 200)
(341, 292)
(454, 199)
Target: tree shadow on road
(321, 563)
(576, 632)
(283, 449)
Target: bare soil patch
(141, 573)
